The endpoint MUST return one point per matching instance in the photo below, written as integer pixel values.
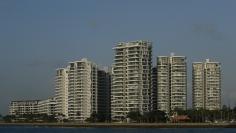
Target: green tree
(9, 118)
(134, 116)
(159, 116)
(156, 116)
(96, 117)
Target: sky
(38, 36)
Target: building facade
(104, 93)
(47, 106)
(82, 90)
(24, 107)
(171, 83)
(131, 79)
(61, 91)
(206, 78)
(154, 89)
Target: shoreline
(125, 125)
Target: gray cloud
(208, 30)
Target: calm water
(11, 129)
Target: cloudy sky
(38, 36)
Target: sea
(31, 129)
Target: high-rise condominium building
(131, 79)
(61, 92)
(206, 85)
(104, 93)
(82, 90)
(171, 83)
(154, 88)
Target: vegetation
(61, 118)
(226, 114)
(148, 117)
(30, 118)
(97, 117)
(135, 116)
(9, 118)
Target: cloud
(208, 30)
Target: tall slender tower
(104, 93)
(206, 85)
(61, 92)
(82, 90)
(171, 83)
(154, 89)
(131, 79)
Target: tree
(93, 117)
(9, 118)
(134, 116)
(159, 116)
(154, 116)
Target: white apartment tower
(206, 78)
(82, 90)
(131, 79)
(61, 92)
(171, 83)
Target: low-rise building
(24, 107)
(47, 106)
